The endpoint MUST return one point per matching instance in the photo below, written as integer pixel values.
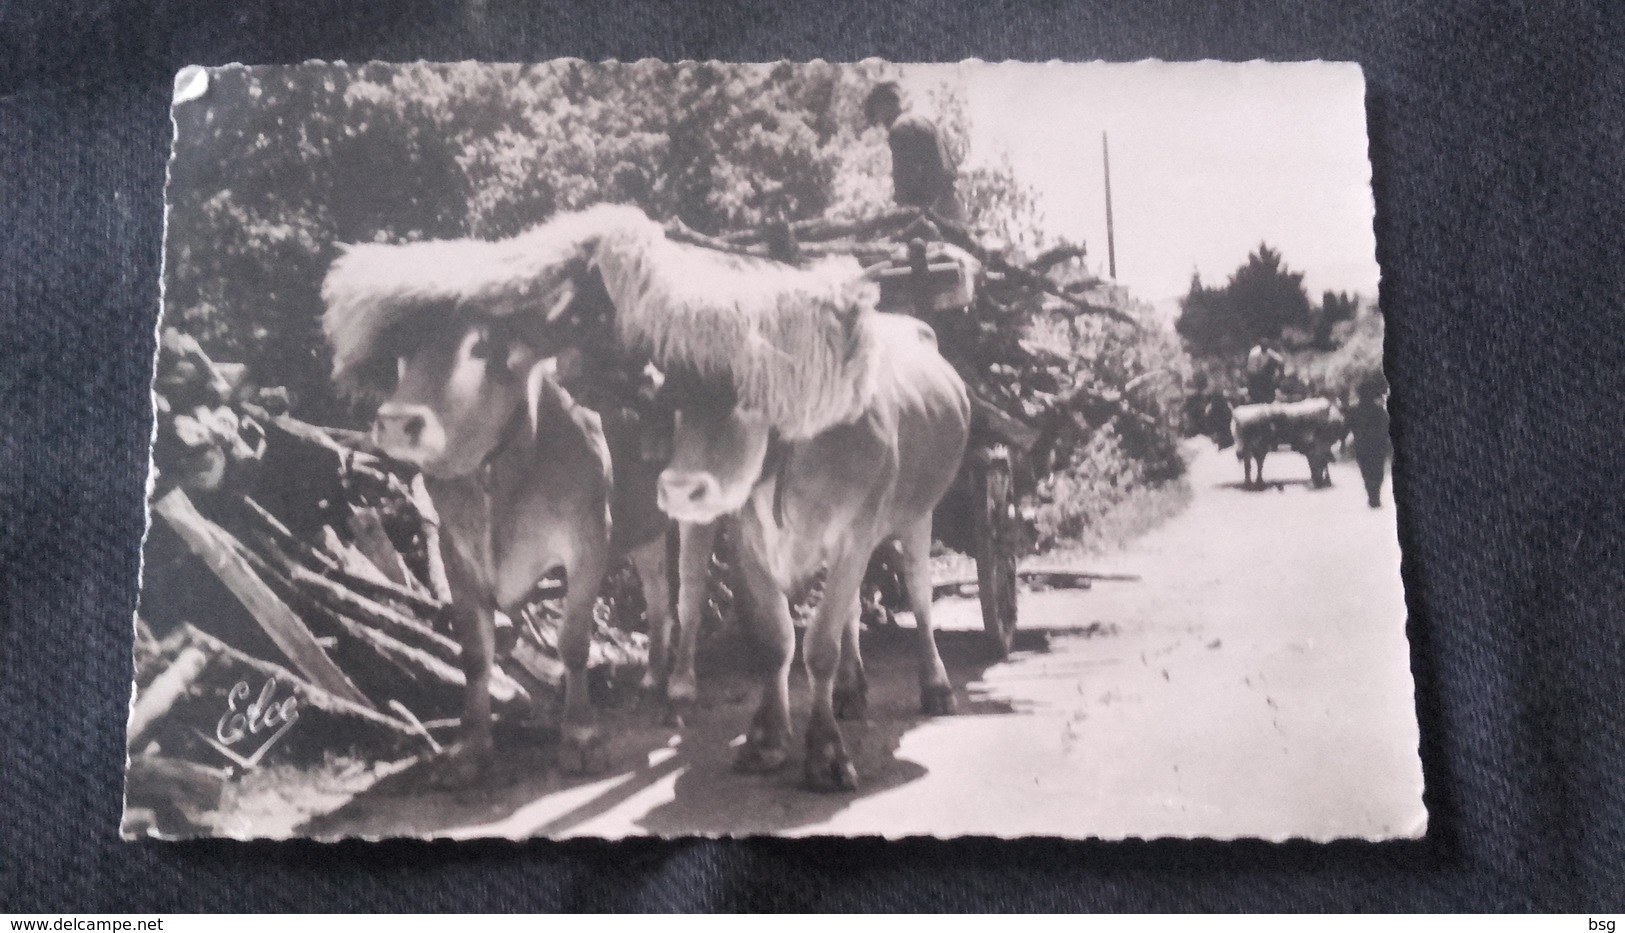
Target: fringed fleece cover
(792, 340)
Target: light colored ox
(824, 503)
(521, 475)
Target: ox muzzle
(412, 433)
(690, 495)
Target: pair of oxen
(818, 426)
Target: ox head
(460, 384)
(718, 455)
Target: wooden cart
(980, 516)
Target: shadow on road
(527, 794)
(1273, 485)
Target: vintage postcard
(580, 449)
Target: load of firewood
(293, 573)
(977, 296)
(980, 300)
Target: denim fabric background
(1499, 157)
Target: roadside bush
(1123, 439)
(1358, 357)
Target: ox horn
(561, 303)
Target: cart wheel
(997, 542)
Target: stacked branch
(287, 552)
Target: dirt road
(1254, 682)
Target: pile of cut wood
(294, 604)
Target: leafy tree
(1262, 301)
(270, 172)
(1205, 319)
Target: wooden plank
(279, 535)
(439, 584)
(424, 657)
(428, 673)
(396, 625)
(211, 543)
(160, 696)
(277, 539)
(340, 440)
(373, 543)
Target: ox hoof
(675, 713)
(460, 765)
(583, 751)
(937, 700)
(829, 773)
(760, 757)
(679, 702)
(850, 703)
(828, 769)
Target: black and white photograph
(803, 449)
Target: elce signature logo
(247, 719)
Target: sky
(1207, 160)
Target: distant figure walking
(1368, 421)
(922, 171)
(1265, 366)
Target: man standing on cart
(1265, 367)
(922, 171)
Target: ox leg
(936, 693)
(649, 560)
(584, 577)
(827, 766)
(767, 744)
(474, 621)
(695, 544)
(851, 697)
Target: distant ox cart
(1311, 427)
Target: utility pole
(1111, 239)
